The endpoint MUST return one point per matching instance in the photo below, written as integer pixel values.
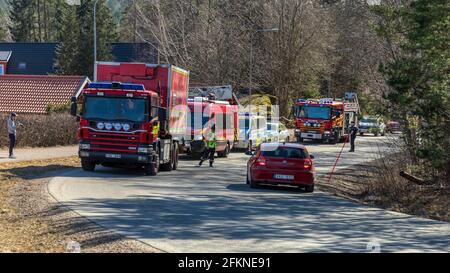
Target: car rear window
(286, 152)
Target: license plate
(283, 176)
(113, 156)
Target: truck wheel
(87, 165)
(225, 152)
(175, 158)
(169, 165)
(152, 168)
(309, 188)
(299, 139)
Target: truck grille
(114, 142)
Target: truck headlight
(108, 126)
(143, 150)
(117, 126)
(85, 146)
(100, 126)
(126, 126)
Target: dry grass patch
(27, 234)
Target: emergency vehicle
(204, 113)
(135, 114)
(325, 120)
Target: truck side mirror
(73, 106)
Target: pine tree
(420, 81)
(80, 60)
(22, 17)
(68, 50)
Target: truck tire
(175, 157)
(152, 168)
(299, 140)
(87, 165)
(225, 152)
(169, 165)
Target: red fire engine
(325, 119)
(135, 114)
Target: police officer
(211, 142)
(353, 131)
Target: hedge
(41, 130)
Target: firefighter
(12, 132)
(353, 131)
(211, 142)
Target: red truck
(205, 113)
(325, 119)
(134, 115)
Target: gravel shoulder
(31, 220)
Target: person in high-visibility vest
(211, 143)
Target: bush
(42, 130)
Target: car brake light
(261, 161)
(307, 165)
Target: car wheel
(252, 182)
(248, 177)
(309, 188)
(87, 165)
(361, 134)
(376, 134)
(299, 139)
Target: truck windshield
(104, 108)
(313, 112)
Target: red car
(281, 164)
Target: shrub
(42, 130)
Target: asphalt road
(212, 209)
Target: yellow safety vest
(212, 141)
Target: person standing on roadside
(353, 131)
(12, 133)
(211, 143)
